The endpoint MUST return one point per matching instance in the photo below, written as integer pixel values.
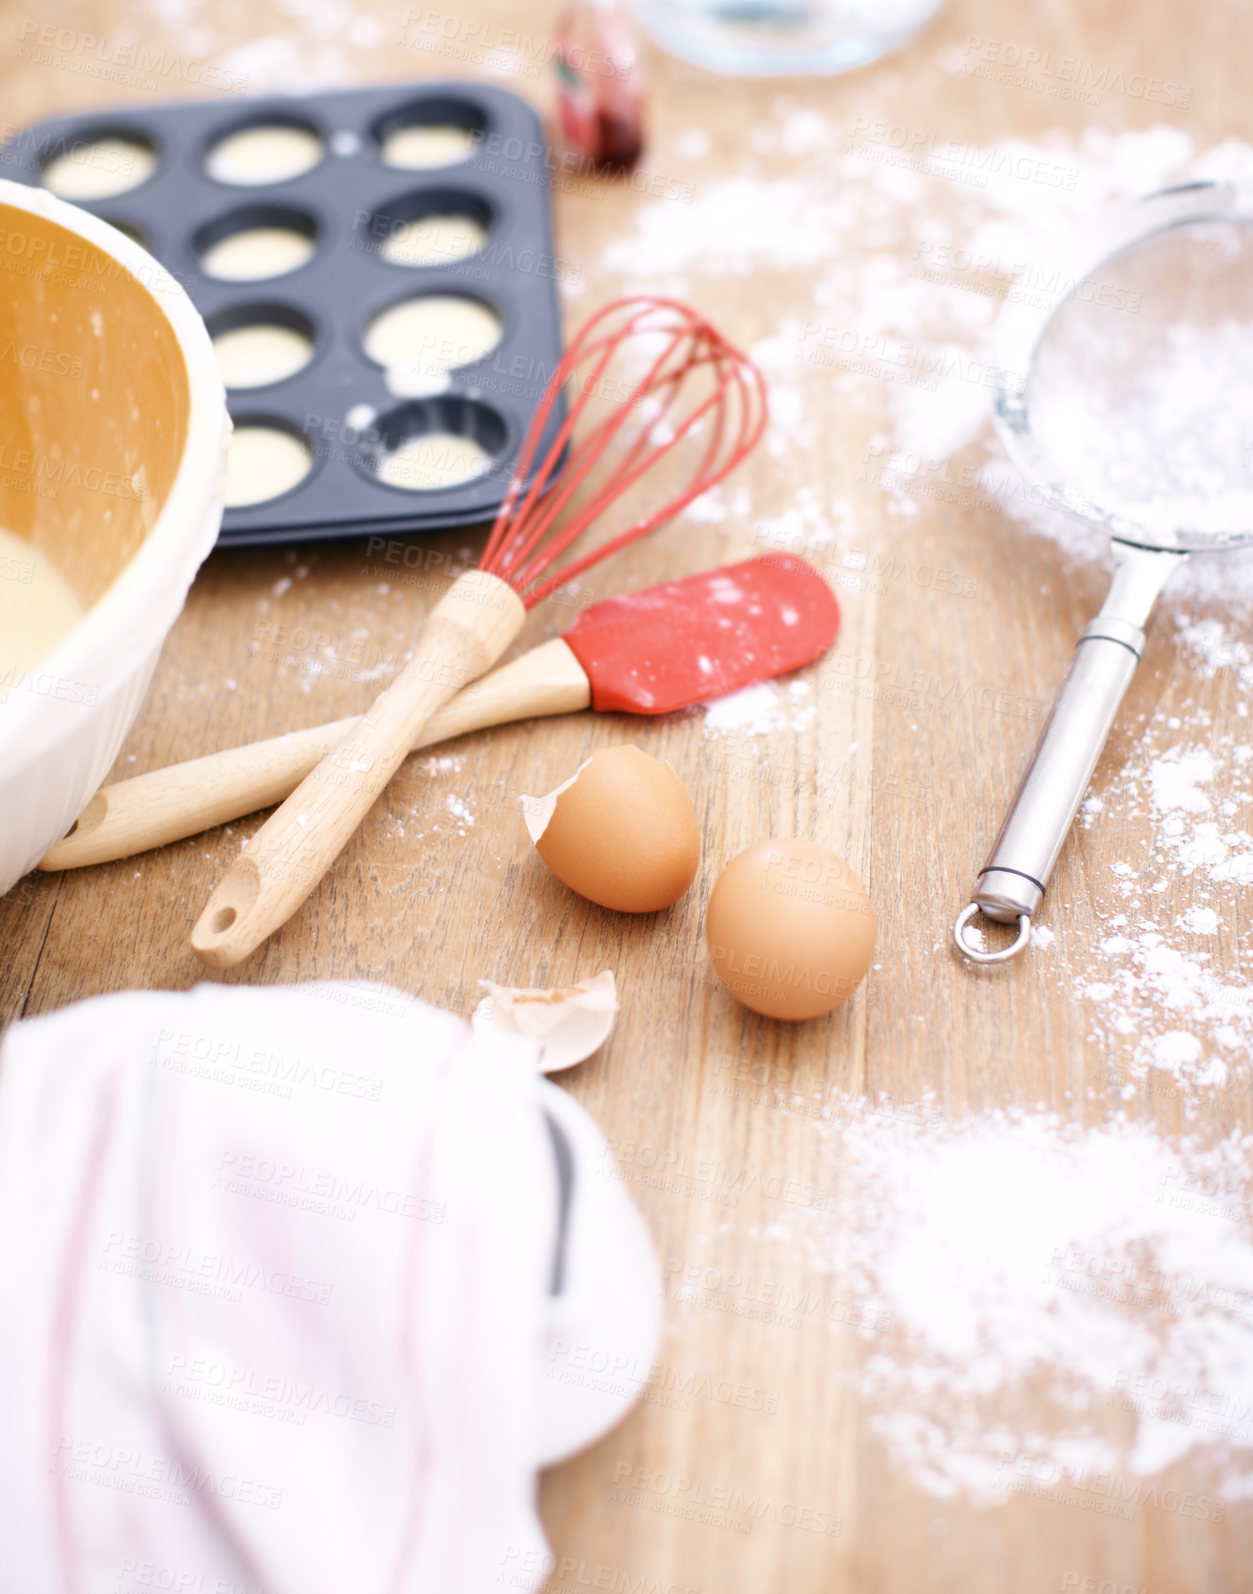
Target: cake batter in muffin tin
(376, 268)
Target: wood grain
(440, 887)
(465, 633)
(164, 805)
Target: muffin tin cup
(347, 203)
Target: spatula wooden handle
(467, 631)
(181, 800)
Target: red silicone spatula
(686, 641)
(649, 652)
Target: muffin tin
(345, 408)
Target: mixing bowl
(113, 429)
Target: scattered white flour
(1179, 808)
(442, 763)
(975, 937)
(952, 237)
(761, 709)
(1175, 1049)
(416, 801)
(317, 47)
(735, 225)
(1108, 1268)
(720, 503)
(1213, 648)
(461, 812)
(1010, 1265)
(895, 270)
(1175, 780)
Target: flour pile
(1105, 1275)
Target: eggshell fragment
(790, 929)
(568, 1023)
(537, 811)
(622, 832)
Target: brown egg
(790, 929)
(622, 833)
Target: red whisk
(689, 392)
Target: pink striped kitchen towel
(281, 1274)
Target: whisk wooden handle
(467, 631)
(164, 805)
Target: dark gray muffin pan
(341, 403)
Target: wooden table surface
(439, 888)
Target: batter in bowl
(37, 605)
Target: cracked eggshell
(622, 832)
(567, 1023)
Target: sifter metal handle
(1012, 882)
